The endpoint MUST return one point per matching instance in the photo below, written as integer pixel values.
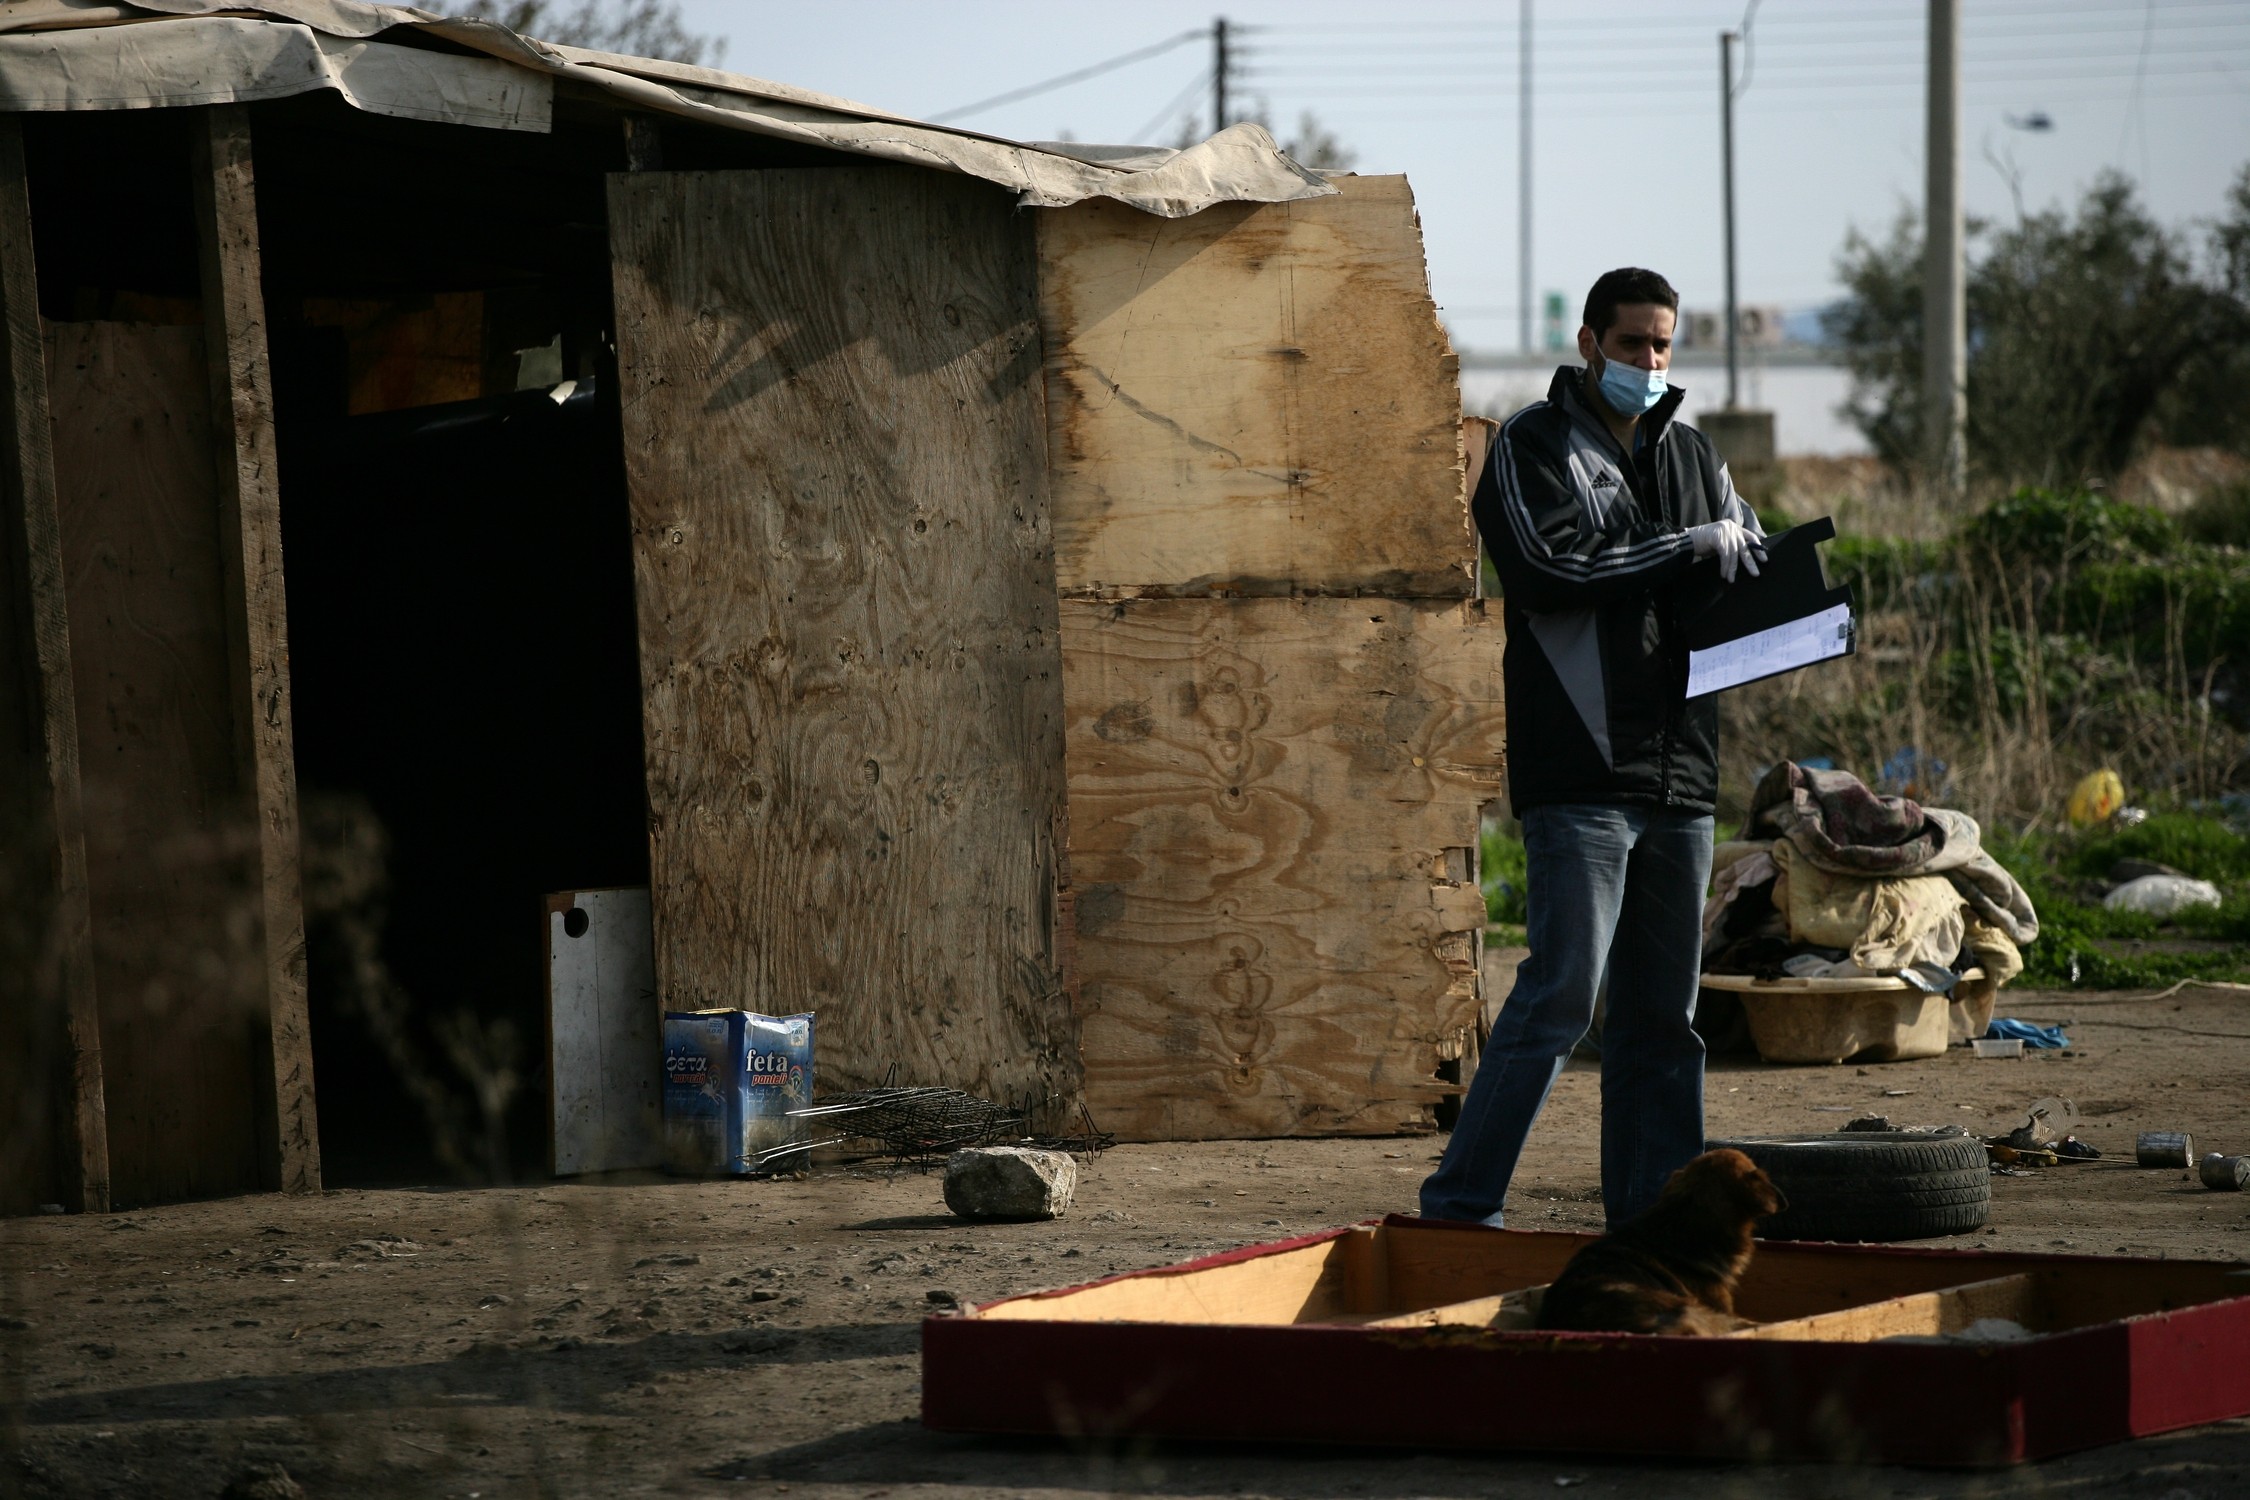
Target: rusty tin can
(2164, 1148)
(2225, 1174)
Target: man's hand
(1731, 543)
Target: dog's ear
(1771, 1200)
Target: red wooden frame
(1918, 1403)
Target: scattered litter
(2095, 799)
(2164, 1148)
(1870, 1122)
(2162, 895)
(2003, 1027)
(1566, 1481)
(1899, 1093)
(1999, 1046)
(2225, 1174)
(2071, 1148)
(732, 1079)
(1833, 1109)
(2043, 1124)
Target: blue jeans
(1615, 890)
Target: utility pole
(1945, 302)
(1523, 179)
(1727, 39)
(1220, 66)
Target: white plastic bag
(2162, 895)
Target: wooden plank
(1438, 1268)
(1256, 399)
(1919, 1315)
(850, 668)
(249, 511)
(1271, 937)
(168, 841)
(1367, 1272)
(50, 1040)
(1308, 1284)
(1506, 1312)
(605, 1033)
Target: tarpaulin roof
(89, 54)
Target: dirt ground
(693, 1338)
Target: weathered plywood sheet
(170, 843)
(1268, 799)
(1255, 400)
(847, 609)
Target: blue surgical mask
(1629, 389)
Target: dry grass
(1971, 656)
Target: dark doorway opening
(462, 634)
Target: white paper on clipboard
(1767, 653)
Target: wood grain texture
(249, 513)
(1257, 399)
(170, 843)
(1917, 1315)
(1308, 1284)
(1272, 936)
(50, 1034)
(846, 589)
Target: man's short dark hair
(1623, 286)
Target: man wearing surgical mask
(1599, 508)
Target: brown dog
(1673, 1267)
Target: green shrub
(2079, 940)
(2199, 846)
(2220, 517)
(1500, 870)
(2045, 527)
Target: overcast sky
(1625, 130)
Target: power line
(1065, 80)
(1859, 66)
(2133, 110)
(1810, 109)
(1147, 133)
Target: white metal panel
(605, 1033)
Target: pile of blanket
(1832, 880)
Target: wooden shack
(1020, 606)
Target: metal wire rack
(921, 1126)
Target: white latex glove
(1731, 543)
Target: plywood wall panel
(843, 563)
(1256, 399)
(1276, 927)
(170, 843)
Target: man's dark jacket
(1593, 554)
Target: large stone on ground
(1009, 1182)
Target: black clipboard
(1785, 619)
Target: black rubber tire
(1872, 1185)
